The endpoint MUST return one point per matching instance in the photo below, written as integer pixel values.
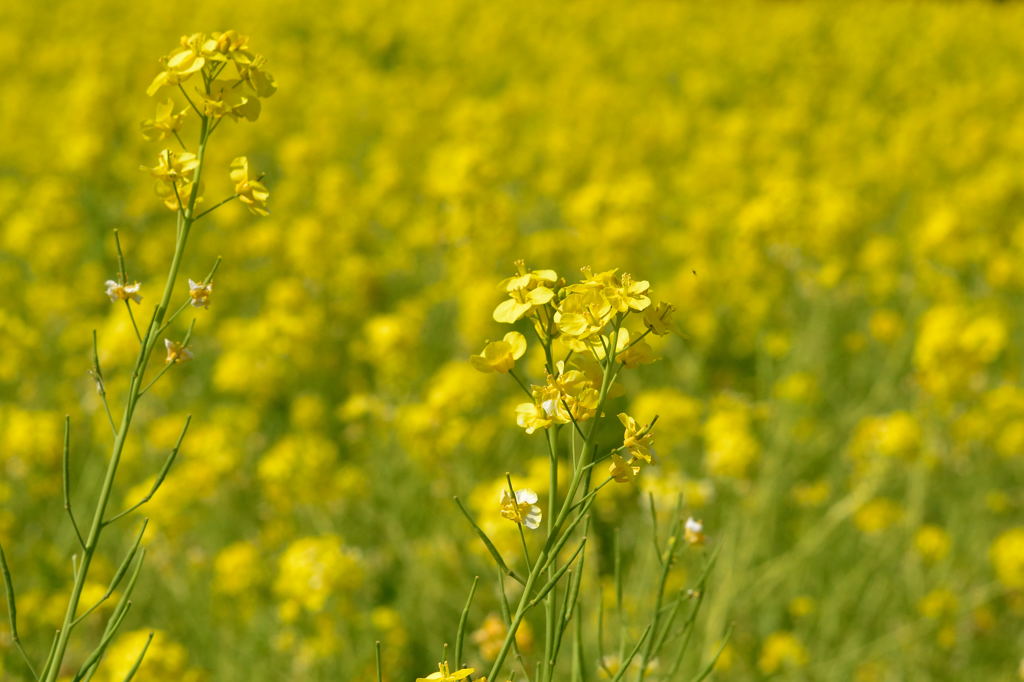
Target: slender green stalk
(461, 634)
(148, 343)
(545, 559)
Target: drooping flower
(523, 509)
(165, 123)
(500, 356)
(176, 352)
(638, 440)
(622, 470)
(199, 294)
(123, 292)
(252, 193)
(444, 674)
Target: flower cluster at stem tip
(225, 79)
(583, 324)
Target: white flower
(176, 352)
(693, 532)
(200, 294)
(123, 292)
(523, 510)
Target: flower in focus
(123, 292)
(526, 290)
(180, 64)
(176, 352)
(174, 174)
(165, 123)
(199, 294)
(658, 318)
(500, 356)
(693, 532)
(443, 674)
(523, 510)
(636, 439)
(626, 294)
(250, 192)
(622, 470)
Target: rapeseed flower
(176, 352)
(174, 173)
(165, 124)
(1007, 555)
(500, 356)
(638, 440)
(444, 674)
(252, 193)
(526, 290)
(523, 509)
(123, 292)
(199, 293)
(693, 532)
(622, 470)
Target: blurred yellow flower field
(831, 196)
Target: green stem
(134, 392)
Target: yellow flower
(523, 509)
(176, 352)
(621, 470)
(781, 650)
(1007, 556)
(123, 292)
(491, 635)
(500, 356)
(165, 123)
(638, 353)
(228, 45)
(659, 318)
(443, 674)
(932, 543)
(531, 417)
(937, 604)
(199, 294)
(567, 395)
(174, 174)
(526, 290)
(252, 73)
(627, 294)
(181, 64)
(250, 192)
(693, 532)
(636, 439)
(227, 98)
(877, 515)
